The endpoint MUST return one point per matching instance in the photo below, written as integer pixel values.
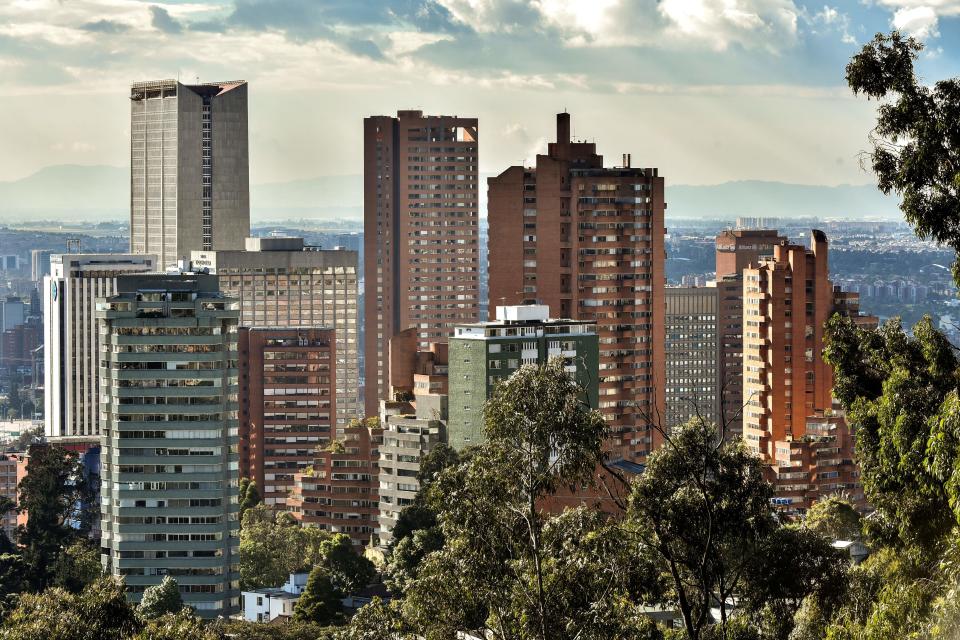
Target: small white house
(263, 605)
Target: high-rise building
(787, 298)
(339, 492)
(70, 337)
(12, 312)
(692, 355)
(189, 168)
(736, 250)
(588, 242)
(414, 422)
(282, 283)
(170, 438)
(421, 234)
(40, 262)
(484, 353)
(287, 404)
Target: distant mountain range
(99, 192)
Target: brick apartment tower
(287, 403)
(421, 233)
(339, 493)
(786, 301)
(736, 250)
(588, 241)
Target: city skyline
(750, 89)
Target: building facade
(692, 355)
(339, 492)
(421, 233)
(735, 251)
(787, 298)
(587, 241)
(819, 465)
(485, 353)
(169, 492)
(287, 404)
(189, 168)
(281, 283)
(414, 422)
(40, 264)
(71, 339)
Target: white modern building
(264, 605)
(70, 337)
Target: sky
(707, 90)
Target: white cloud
(752, 24)
(832, 19)
(920, 22)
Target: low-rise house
(265, 605)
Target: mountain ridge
(98, 192)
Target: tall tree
(835, 518)
(78, 566)
(348, 570)
(320, 600)
(703, 507)
(916, 143)
(161, 599)
(55, 496)
(273, 545)
(508, 568)
(249, 495)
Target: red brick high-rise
(588, 241)
(287, 403)
(736, 250)
(421, 234)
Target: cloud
(919, 22)
(830, 18)
(720, 24)
(105, 26)
(163, 21)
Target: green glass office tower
(168, 374)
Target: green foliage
(320, 601)
(916, 146)
(506, 568)
(249, 495)
(347, 570)
(417, 532)
(161, 599)
(834, 518)
(12, 580)
(703, 508)
(78, 566)
(792, 564)
(182, 624)
(407, 555)
(99, 612)
(54, 494)
(273, 545)
(290, 630)
(377, 621)
(901, 394)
